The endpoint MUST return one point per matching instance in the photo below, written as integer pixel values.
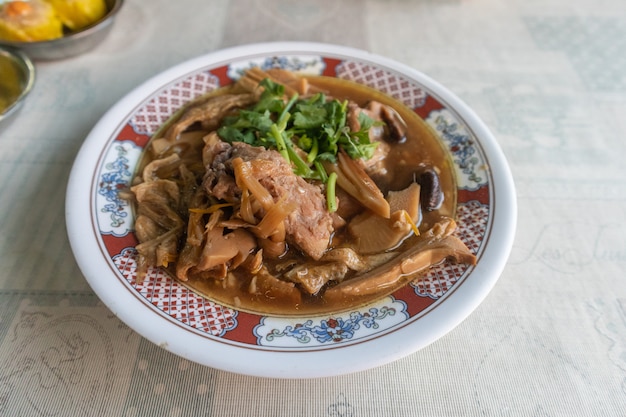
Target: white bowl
(100, 225)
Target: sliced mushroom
(223, 248)
(432, 195)
(374, 234)
(396, 125)
(354, 261)
(209, 113)
(156, 169)
(267, 286)
(433, 247)
(312, 277)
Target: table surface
(549, 79)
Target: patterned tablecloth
(547, 77)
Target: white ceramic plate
(100, 228)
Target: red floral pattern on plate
(173, 299)
(385, 81)
(158, 109)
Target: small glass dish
(17, 77)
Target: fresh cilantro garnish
(306, 131)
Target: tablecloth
(549, 80)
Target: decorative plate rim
(285, 362)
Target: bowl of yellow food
(16, 81)
(56, 29)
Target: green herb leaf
(309, 116)
(307, 132)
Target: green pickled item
(10, 83)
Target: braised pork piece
(289, 195)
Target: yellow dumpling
(28, 21)
(77, 14)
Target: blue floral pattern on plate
(114, 213)
(330, 330)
